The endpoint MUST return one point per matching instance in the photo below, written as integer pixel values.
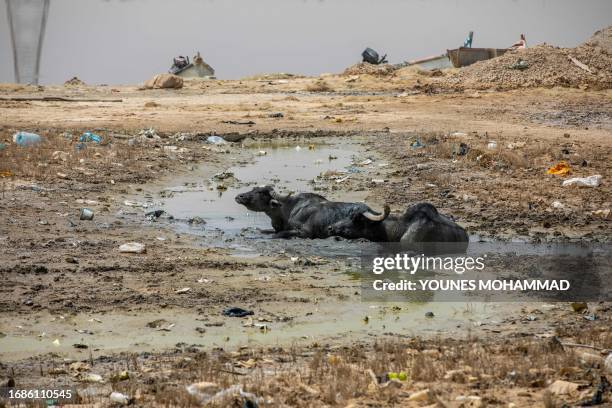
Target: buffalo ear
(275, 203)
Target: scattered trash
(93, 378)
(2, 146)
(557, 205)
(520, 64)
(6, 173)
(559, 169)
(153, 215)
(276, 115)
(591, 317)
(429, 314)
(298, 148)
(211, 393)
(463, 149)
(26, 138)
(591, 181)
(215, 140)
(580, 64)
(371, 57)
(119, 398)
(237, 312)
(598, 396)
(149, 134)
(239, 122)
(133, 248)
(183, 290)
(492, 145)
(90, 137)
(416, 144)
(196, 221)
(86, 214)
(56, 342)
(80, 346)
(366, 162)
(401, 376)
(516, 145)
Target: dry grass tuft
(319, 85)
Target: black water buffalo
(305, 215)
(421, 227)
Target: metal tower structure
(27, 20)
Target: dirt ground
(480, 156)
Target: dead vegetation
(319, 85)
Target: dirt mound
(74, 81)
(363, 68)
(587, 65)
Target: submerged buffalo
(421, 228)
(305, 215)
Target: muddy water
(290, 168)
(230, 225)
(106, 333)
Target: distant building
(196, 69)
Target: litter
(492, 145)
(119, 398)
(239, 122)
(559, 169)
(26, 138)
(365, 162)
(215, 140)
(261, 153)
(276, 115)
(557, 205)
(2, 146)
(183, 290)
(237, 312)
(86, 214)
(90, 137)
(520, 64)
(591, 181)
(371, 57)
(416, 144)
(133, 248)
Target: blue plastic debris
(215, 140)
(26, 138)
(90, 137)
(417, 144)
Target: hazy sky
(113, 41)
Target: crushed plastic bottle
(90, 137)
(26, 138)
(215, 140)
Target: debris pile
(74, 81)
(586, 66)
(363, 68)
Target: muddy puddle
(205, 206)
(195, 204)
(100, 334)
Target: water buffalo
(420, 228)
(305, 215)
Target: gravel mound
(363, 68)
(543, 66)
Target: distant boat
(196, 69)
(463, 56)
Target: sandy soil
(65, 278)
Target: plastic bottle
(26, 138)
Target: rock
(590, 358)
(608, 364)
(423, 395)
(164, 81)
(133, 248)
(561, 387)
(429, 314)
